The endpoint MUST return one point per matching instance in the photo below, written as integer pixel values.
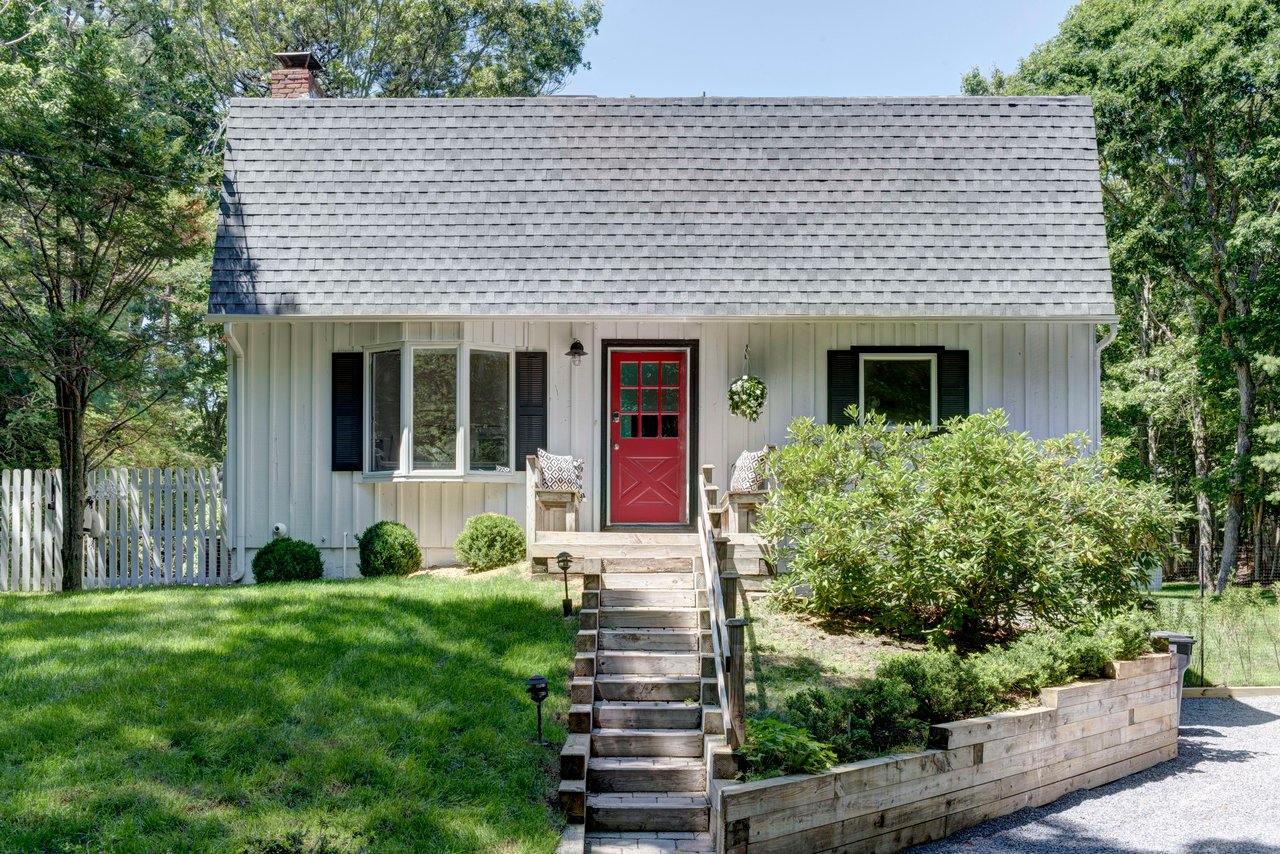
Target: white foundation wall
(1043, 374)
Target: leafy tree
(1187, 99)
(103, 182)
(402, 48)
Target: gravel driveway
(1222, 794)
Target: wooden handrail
(729, 696)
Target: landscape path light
(564, 560)
(536, 686)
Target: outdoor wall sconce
(564, 560)
(576, 352)
(536, 686)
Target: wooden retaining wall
(1082, 735)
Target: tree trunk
(1147, 441)
(1204, 507)
(1247, 391)
(72, 400)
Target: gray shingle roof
(763, 207)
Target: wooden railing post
(729, 584)
(531, 503)
(737, 684)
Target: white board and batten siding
(1043, 374)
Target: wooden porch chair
(741, 506)
(548, 509)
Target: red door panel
(648, 437)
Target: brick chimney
(296, 76)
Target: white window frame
(462, 381)
(932, 358)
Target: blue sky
(807, 47)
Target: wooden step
(688, 598)
(625, 564)
(648, 812)
(646, 774)
(614, 714)
(639, 661)
(668, 640)
(646, 742)
(648, 581)
(647, 688)
(651, 618)
(624, 538)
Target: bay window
(439, 410)
(384, 411)
(435, 409)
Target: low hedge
(893, 710)
(490, 540)
(388, 548)
(287, 559)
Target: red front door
(648, 437)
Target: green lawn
(1238, 634)
(379, 715)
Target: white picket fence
(144, 527)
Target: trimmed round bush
(287, 559)
(389, 548)
(490, 540)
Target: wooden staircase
(644, 721)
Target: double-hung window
(439, 410)
(903, 387)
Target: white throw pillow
(561, 473)
(748, 472)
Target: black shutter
(953, 384)
(842, 385)
(531, 405)
(348, 411)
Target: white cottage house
(418, 293)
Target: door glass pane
(435, 409)
(670, 373)
(648, 426)
(630, 373)
(671, 426)
(649, 399)
(629, 426)
(649, 373)
(629, 400)
(899, 389)
(671, 400)
(384, 416)
(490, 427)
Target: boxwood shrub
(490, 540)
(287, 559)
(389, 548)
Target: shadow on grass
(333, 716)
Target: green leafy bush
(915, 689)
(962, 535)
(287, 559)
(773, 748)
(490, 540)
(388, 548)
(871, 719)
